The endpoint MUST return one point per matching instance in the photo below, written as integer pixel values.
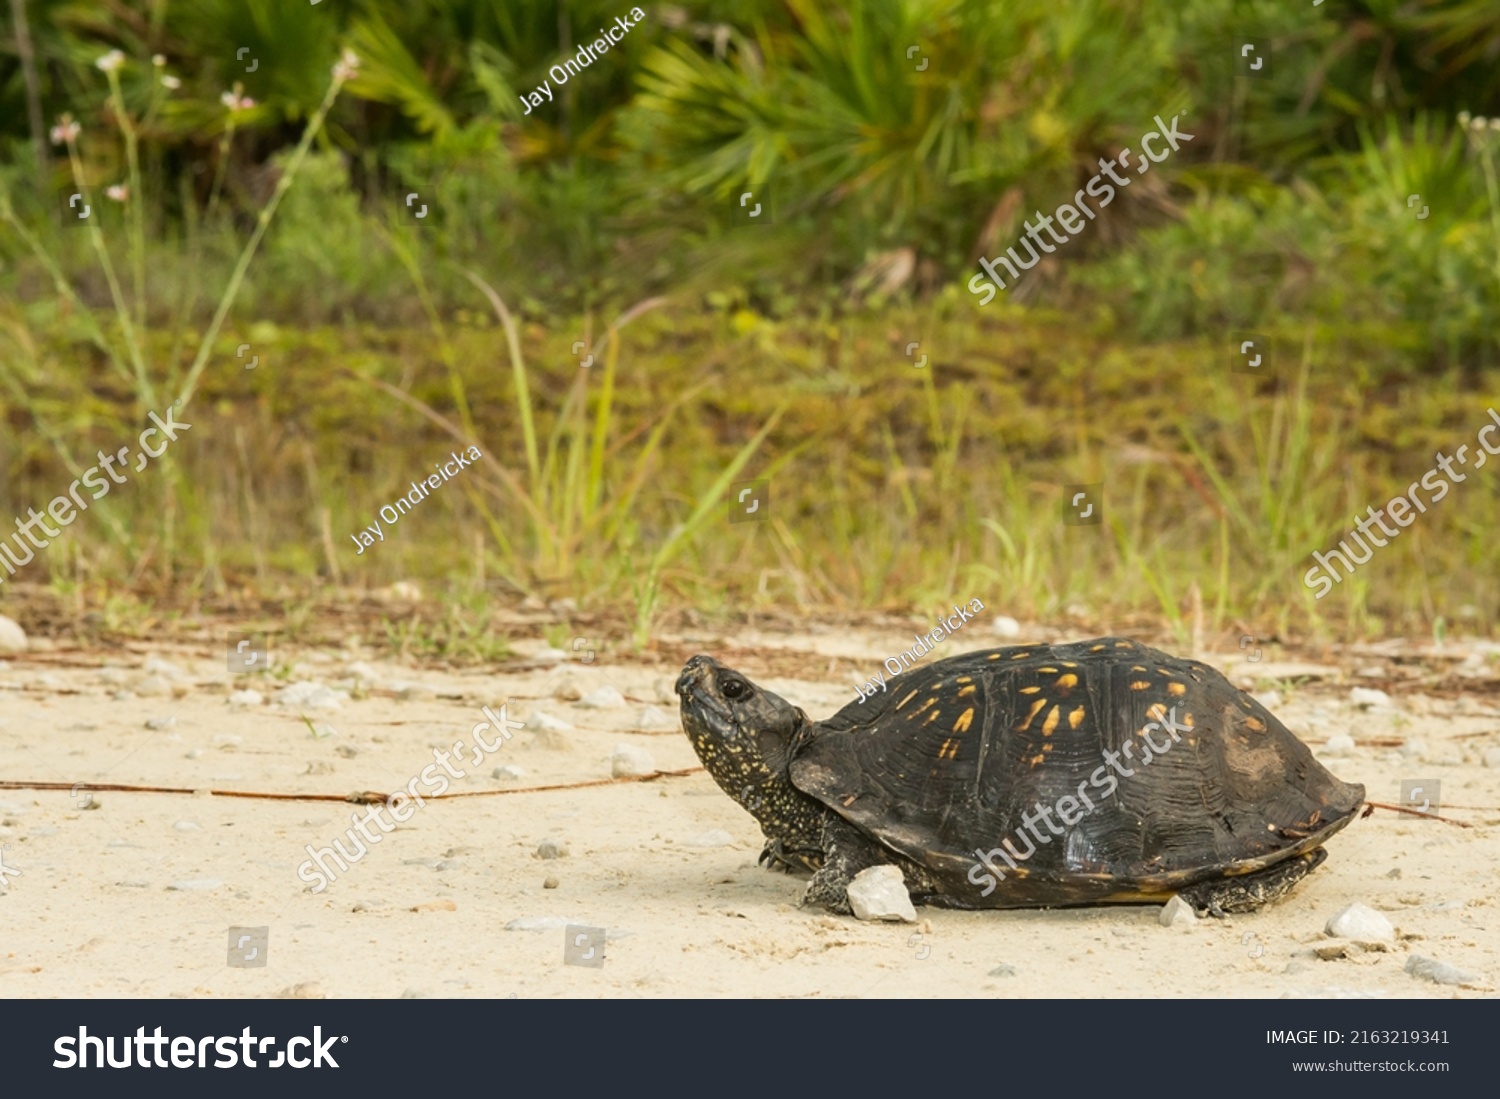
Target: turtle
(1094, 772)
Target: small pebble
(12, 638)
(186, 826)
(1492, 757)
(194, 885)
(193, 753)
(508, 773)
(652, 720)
(1360, 924)
(549, 655)
(156, 666)
(1414, 748)
(1005, 969)
(153, 686)
(1177, 913)
(551, 849)
(543, 722)
(879, 893)
(628, 761)
(160, 722)
(605, 698)
(348, 751)
(415, 692)
(550, 883)
(246, 698)
(717, 838)
(1365, 697)
(311, 696)
(1438, 972)
(1340, 745)
(306, 990)
(1006, 627)
(568, 690)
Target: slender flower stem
(206, 346)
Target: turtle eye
(734, 688)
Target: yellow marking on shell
(1177, 690)
(1124, 644)
(1048, 671)
(1256, 723)
(949, 750)
(1137, 668)
(1187, 721)
(1098, 648)
(964, 679)
(1030, 690)
(1075, 718)
(970, 689)
(1047, 746)
(1157, 712)
(1035, 707)
(1051, 720)
(1140, 684)
(1068, 664)
(965, 719)
(1038, 758)
(932, 717)
(908, 698)
(1069, 680)
(924, 706)
(1019, 656)
(993, 656)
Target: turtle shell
(958, 758)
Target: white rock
(157, 723)
(508, 773)
(549, 655)
(361, 670)
(153, 686)
(717, 838)
(1438, 972)
(605, 698)
(1414, 748)
(1492, 757)
(195, 885)
(542, 722)
(414, 692)
(1006, 627)
(652, 719)
(1340, 745)
(628, 761)
(154, 666)
(1360, 924)
(1271, 700)
(542, 923)
(12, 637)
(879, 893)
(1365, 697)
(568, 690)
(186, 826)
(246, 698)
(310, 696)
(1177, 913)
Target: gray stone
(1438, 972)
(552, 849)
(628, 761)
(568, 690)
(543, 722)
(153, 686)
(508, 773)
(879, 893)
(1360, 924)
(550, 883)
(1004, 969)
(1177, 913)
(310, 696)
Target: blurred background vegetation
(246, 196)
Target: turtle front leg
(778, 855)
(846, 852)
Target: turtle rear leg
(1252, 891)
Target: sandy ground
(135, 895)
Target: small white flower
(171, 83)
(236, 102)
(158, 60)
(65, 131)
(347, 66)
(117, 191)
(113, 61)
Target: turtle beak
(694, 672)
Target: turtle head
(743, 734)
